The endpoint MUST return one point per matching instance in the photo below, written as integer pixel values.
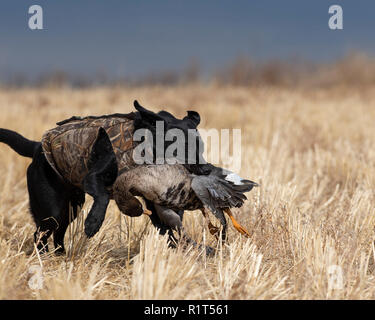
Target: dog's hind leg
(69, 214)
(102, 174)
(48, 197)
(59, 233)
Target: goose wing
(211, 193)
(220, 191)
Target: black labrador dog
(54, 203)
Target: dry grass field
(311, 150)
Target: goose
(172, 188)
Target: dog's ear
(194, 117)
(147, 115)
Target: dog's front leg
(102, 174)
(95, 218)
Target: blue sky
(129, 38)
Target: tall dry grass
(312, 151)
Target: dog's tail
(18, 143)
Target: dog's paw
(92, 226)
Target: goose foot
(236, 225)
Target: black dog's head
(146, 119)
(191, 121)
